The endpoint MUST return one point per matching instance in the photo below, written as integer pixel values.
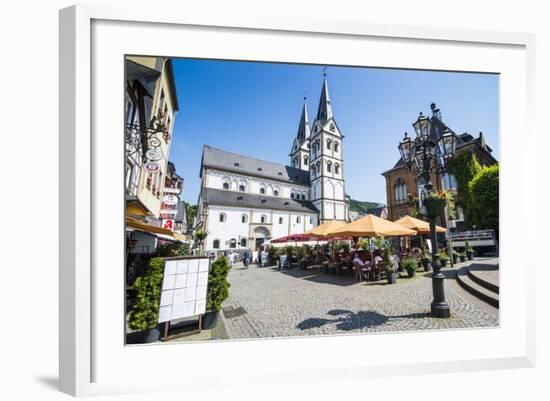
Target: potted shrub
(144, 314)
(301, 252)
(443, 258)
(455, 257)
(462, 256)
(410, 264)
(273, 254)
(469, 250)
(218, 290)
(391, 272)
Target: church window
(225, 185)
(241, 188)
(280, 220)
(223, 217)
(292, 195)
(337, 168)
(236, 164)
(263, 218)
(276, 192)
(232, 243)
(264, 201)
(336, 145)
(329, 166)
(318, 167)
(216, 244)
(329, 142)
(262, 190)
(259, 169)
(332, 127)
(298, 220)
(244, 218)
(303, 197)
(286, 203)
(243, 242)
(306, 159)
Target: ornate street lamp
(422, 156)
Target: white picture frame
(86, 332)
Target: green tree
(190, 212)
(218, 286)
(484, 198)
(199, 236)
(464, 168)
(144, 314)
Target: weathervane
(325, 71)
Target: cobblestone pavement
(265, 302)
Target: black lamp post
(429, 152)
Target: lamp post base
(441, 310)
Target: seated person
(357, 260)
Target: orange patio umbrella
(420, 226)
(371, 226)
(324, 229)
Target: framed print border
(77, 369)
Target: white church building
(244, 201)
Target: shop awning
(147, 228)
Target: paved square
(272, 303)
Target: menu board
(183, 288)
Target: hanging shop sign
(152, 167)
(170, 199)
(168, 224)
(153, 155)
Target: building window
(329, 167)
(263, 218)
(306, 160)
(311, 220)
(244, 218)
(303, 196)
(337, 168)
(262, 190)
(243, 242)
(232, 243)
(223, 217)
(318, 167)
(225, 185)
(336, 146)
(298, 220)
(328, 144)
(400, 191)
(241, 188)
(216, 244)
(292, 195)
(280, 220)
(276, 192)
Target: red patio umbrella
(292, 238)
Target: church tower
(327, 162)
(299, 154)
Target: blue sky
(254, 109)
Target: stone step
(475, 289)
(487, 280)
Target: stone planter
(144, 337)
(411, 272)
(210, 319)
(392, 278)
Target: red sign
(168, 224)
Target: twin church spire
(300, 147)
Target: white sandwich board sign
(184, 288)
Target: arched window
(244, 218)
(242, 188)
(311, 220)
(400, 191)
(303, 196)
(225, 185)
(275, 192)
(318, 167)
(262, 190)
(329, 142)
(329, 166)
(263, 218)
(336, 145)
(313, 170)
(292, 195)
(232, 243)
(223, 217)
(298, 220)
(337, 168)
(243, 242)
(216, 244)
(280, 220)
(306, 160)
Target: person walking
(246, 255)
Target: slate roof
(221, 197)
(234, 162)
